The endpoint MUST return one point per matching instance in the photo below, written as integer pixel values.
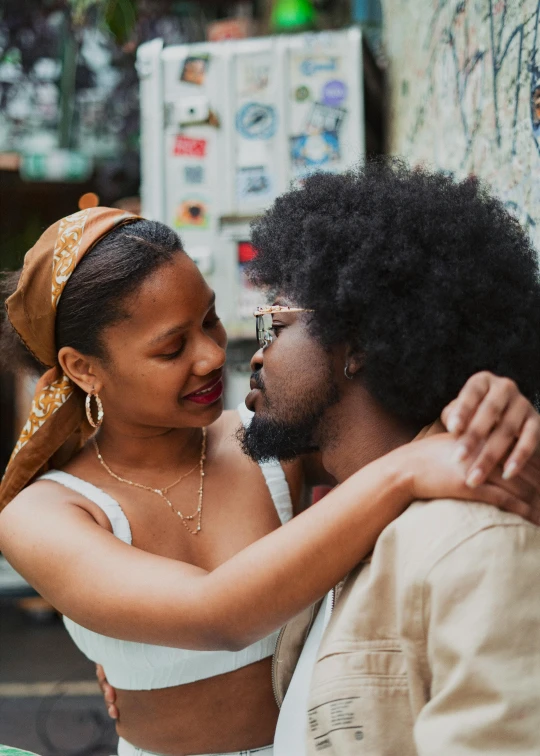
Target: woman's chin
(207, 412)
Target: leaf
(120, 17)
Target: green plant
(119, 16)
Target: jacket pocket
(359, 703)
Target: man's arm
(482, 625)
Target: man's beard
(269, 437)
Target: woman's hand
(435, 472)
(492, 419)
(109, 693)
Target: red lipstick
(207, 394)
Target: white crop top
(142, 666)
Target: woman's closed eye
(210, 322)
(172, 355)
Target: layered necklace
(186, 520)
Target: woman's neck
(151, 450)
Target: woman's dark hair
(430, 279)
(95, 295)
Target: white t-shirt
(291, 726)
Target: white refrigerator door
(196, 92)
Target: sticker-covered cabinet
(228, 126)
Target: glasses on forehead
(263, 322)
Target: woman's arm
(121, 591)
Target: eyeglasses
(263, 322)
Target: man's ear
(354, 361)
(80, 369)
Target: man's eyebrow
(181, 326)
(281, 302)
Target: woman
(128, 319)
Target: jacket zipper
(332, 600)
(278, 644)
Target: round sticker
(302, 94)
(192, 213)
(255, 120)
(334, 92)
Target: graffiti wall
(465, 93)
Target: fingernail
(474, 478)
(454, 423)
(111, 712)
(460, 453)
(509, 471)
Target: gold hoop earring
(346, 372)
(88, 406)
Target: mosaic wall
(465, 93)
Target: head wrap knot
(56, 426)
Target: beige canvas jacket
(433, 647)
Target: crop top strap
(110, 506)
(274, 476)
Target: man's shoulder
(427, 531)
(463, 514)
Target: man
(406, 284)
(400, 286)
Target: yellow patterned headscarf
(56, 426)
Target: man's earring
(346, 371)
(100, 413)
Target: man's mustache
(256, 381)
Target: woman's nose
(212, 357)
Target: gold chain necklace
(162, 491)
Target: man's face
(293, 384)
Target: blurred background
(199, 114)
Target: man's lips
(255, 382)
(251, 399)
(207, 393)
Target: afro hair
(430, 279)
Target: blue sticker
(313, 65)
(334, 92)
(255, 120)
(311, 151)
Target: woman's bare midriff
(231, 712)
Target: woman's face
(165, 361)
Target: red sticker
(191, 147)
(246, 252)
